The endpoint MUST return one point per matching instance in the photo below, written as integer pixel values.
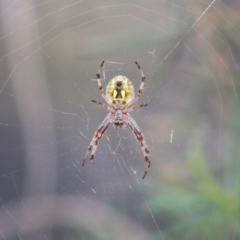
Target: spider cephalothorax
(119, 96)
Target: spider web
(50, 53)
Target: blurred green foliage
(208, 205)
(206, 209)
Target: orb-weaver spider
(119, 96)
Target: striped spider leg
(96, 138)
(100, 84)
(140, 90)
(140, 137)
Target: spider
(119, 96)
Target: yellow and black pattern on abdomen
(125, 94)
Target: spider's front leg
(140, 90)
(140, 137)
(100, 84)
(96, 138)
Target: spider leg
(140, 137)
(100, 104)
(96, 138)
(100, 84)
(136, 107)
(140, 87)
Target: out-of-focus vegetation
(207, 208)
(206, 204)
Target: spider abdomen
(120, 89)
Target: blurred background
(49, 55)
